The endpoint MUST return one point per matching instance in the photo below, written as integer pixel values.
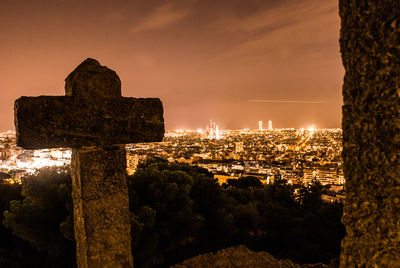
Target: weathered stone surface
(101, 207)
(239, 256)
(243, 257)
(92, 113)
(90, 81)
(59, 121)
(370, 46)
(96, 122)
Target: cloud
(304, 28)
(160, 17)
(276, 17)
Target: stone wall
(370, 46)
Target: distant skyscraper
(213, 131)
(260, 125)
(238, 147)
(269, 125)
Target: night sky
(236, 62)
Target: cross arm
(61, 121)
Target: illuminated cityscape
(200, 134)
(298, 156)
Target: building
(5, 154)
(260, 125)
(224, 178)
(213, 131)
(238, 147)
(269, 125)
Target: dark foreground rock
(241, 256)
(370, 46)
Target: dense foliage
(178, 211)
(42, 216)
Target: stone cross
(96, 122)
(370, 46)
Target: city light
(311, 128)
(298, 155)
(213, 131)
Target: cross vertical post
(96, 122)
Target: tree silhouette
(179, 211)
(44, 216)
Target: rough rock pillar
(101, 207)
(370, 46)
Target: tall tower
(213, 131)
(217, 136)
(260, 125)
(210, 129)
(269, 125)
